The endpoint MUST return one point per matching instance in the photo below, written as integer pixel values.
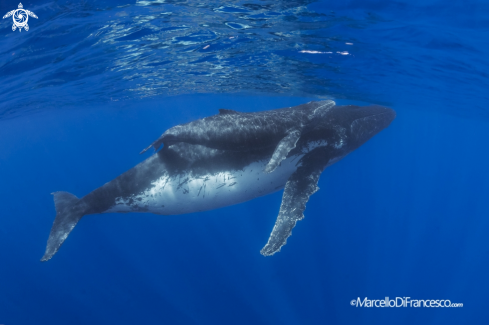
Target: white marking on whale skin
(325, 107)
(339, 144)
(315, 144)
(187, 194)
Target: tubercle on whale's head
(367, 121)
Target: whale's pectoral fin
(155, 145)
(68, 213)
(166, 139)
(282, 150)
(146, 149)
(299, 187)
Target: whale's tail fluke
(68, 213)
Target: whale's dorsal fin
(282, 150)
(299, 187)
(223, 111)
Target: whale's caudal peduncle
(230, 158)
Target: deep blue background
(404, 215)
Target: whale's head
(365, 122)
(350, 126)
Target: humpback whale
(229, 158)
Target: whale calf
(229, 158)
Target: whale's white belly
(187, 193)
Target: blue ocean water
(94, 82)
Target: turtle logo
(20, 17)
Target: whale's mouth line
(377, 114)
